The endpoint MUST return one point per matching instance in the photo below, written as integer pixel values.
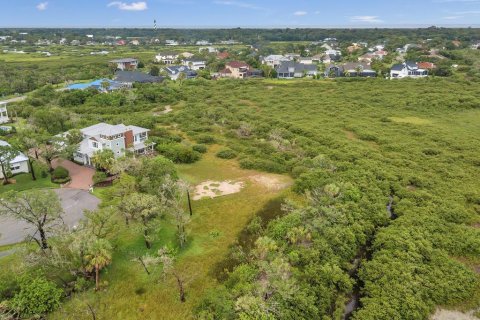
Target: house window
(13, 168)
(118, 144)
(94, 144)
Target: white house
(126, 64)
(407, 70)
(274, 60)
(195, 64)
(19, 164)
(117, 138)
(167, 57)
(171, 43)
(4, 113)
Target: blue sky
(238, 13)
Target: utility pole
(189, 203)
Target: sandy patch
(212, 189)
(272, 183)
(168, 109)
(410, 120)
(351, 135)
(270, 87)
(442, 314)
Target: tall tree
(145, 209)
(40, 209)
(7, 154)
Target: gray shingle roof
(136, 76)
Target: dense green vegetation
(386, 173)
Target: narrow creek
(364, 254)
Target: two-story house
(125, 64)
(4, 113)
(407, 69)
(118, 138)
(274, 60)
(235, 70)
(167, 57)
(195, 64)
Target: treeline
(256, 35)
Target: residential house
(128, 78)
(333, 71)
(171, 43)
(187, 55)
(292, 56)
(305, 60)
(209, 49)
(19, 164)
(125, 64)
(223, 55)
(174, 72)
(274, 60)
(426, 65)
(195, 64)
(407, 69)
(356, 69)
(167, 57)
(334, 55)
(370, 56)
(236, 70)
(292, 69)
(4, 113)
(203, 43)
(117, 138)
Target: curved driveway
(74, 202)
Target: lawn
(24, 181)
(215, 225)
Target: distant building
(195, 64)
(128, 78)
(236, 70)
(19, 164)
(356, 69)
(167, 57)
(118, 138)
(174, 72)
(407, 69)
(274, 60)
(125, 64)
(4, 113)
(203, 43)
(291, 69)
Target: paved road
(21, 98)
(74, 202)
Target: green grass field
(215, 225)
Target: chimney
(128, 138)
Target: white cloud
(133, 6)
(300, 13)
(42, 6)
(238, 4)
(452, 17)
(366, 19)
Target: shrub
(99, 176)
(178, 153)
(60, 175)
(36, 298)
(200, 148)
(204, 138)
(226, 154)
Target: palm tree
(99, 255)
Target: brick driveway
(82, 177)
